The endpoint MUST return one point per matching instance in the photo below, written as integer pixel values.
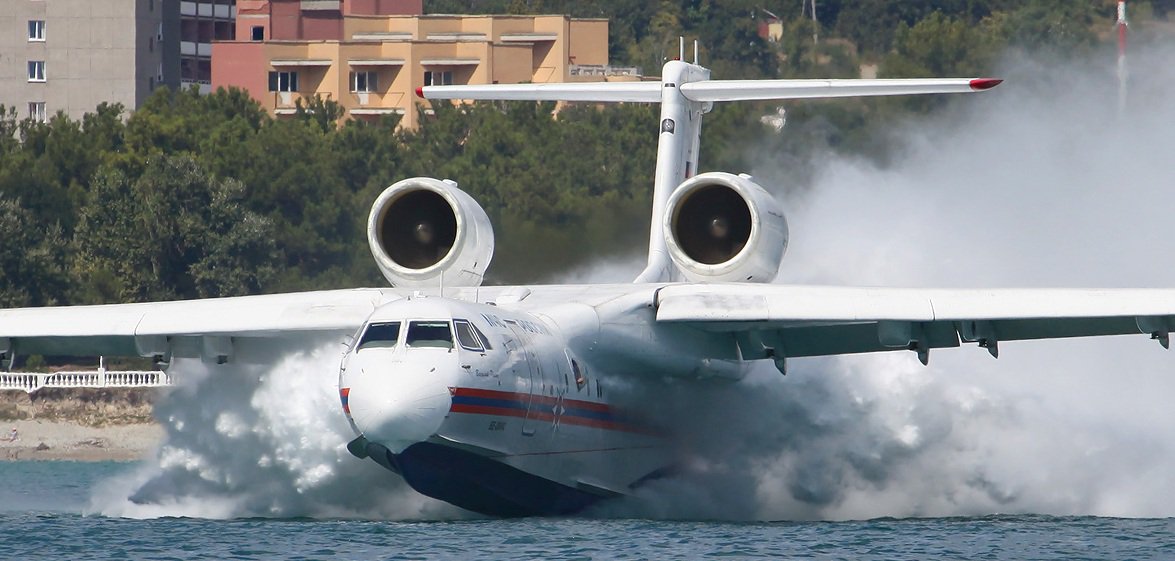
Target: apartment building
(371, 60)
(201, 23)
(71, 55)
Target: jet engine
(720, 227)
(422, 228)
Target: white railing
(30, 382)
(603, 70)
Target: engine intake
(422, 228)
(721, 227)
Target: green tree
(942, 46)
(174, 232)
(32, 258)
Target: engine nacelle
(721, 227)
(421, 228)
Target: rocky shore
(78, 424)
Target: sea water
(43, 515)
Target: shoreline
(53, 440)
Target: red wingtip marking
(420, 91)
(985, 83)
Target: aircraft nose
(398, 405)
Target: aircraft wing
(709, 90)
(800, 321)
(205, 326)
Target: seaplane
(503, 399)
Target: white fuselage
(459, 395)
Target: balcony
(285, 62)
(286, 103)
(203, 86)
(308, 5)
(376, 62)
(191, 48)
(528, 37)
(455, 37)
(603, 70)
(450, 62)
(207, 10)
(382, 36)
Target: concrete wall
(94, 51)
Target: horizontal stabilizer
(739, 90)
(647, 92)
(708, 90)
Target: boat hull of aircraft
(525, 425)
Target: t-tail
(686, 93)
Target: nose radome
(399, 406)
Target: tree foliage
(207, 195)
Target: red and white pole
(1122, 25)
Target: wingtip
(980, 84)
(420, 92)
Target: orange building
(371, 55)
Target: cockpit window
(484, 340)
(465, 335)
(380, 335)
(434, 334)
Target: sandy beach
(57, 440)
(81, 424)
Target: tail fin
(685, 93)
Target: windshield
(466, 336)
(436, 334)
(380, 335)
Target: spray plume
(252, 440)
(1039, 183)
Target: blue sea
(43, 516)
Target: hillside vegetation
(200, 196)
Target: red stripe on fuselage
(538, 412)
(538, 399)
(542, 416)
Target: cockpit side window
(435, 334)
(484, 340)
(380, 335)
(466, 336)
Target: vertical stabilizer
(678, 144)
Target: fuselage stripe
(541, 408)
(520, 404)
(545, 416)
(544, 399)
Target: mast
(1122, 26)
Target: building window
(364, 82)
(37, 111)
(36, 71)
(258, 33)
(438, 78)
(283, 81)
(36, 30)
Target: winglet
(979, 84)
